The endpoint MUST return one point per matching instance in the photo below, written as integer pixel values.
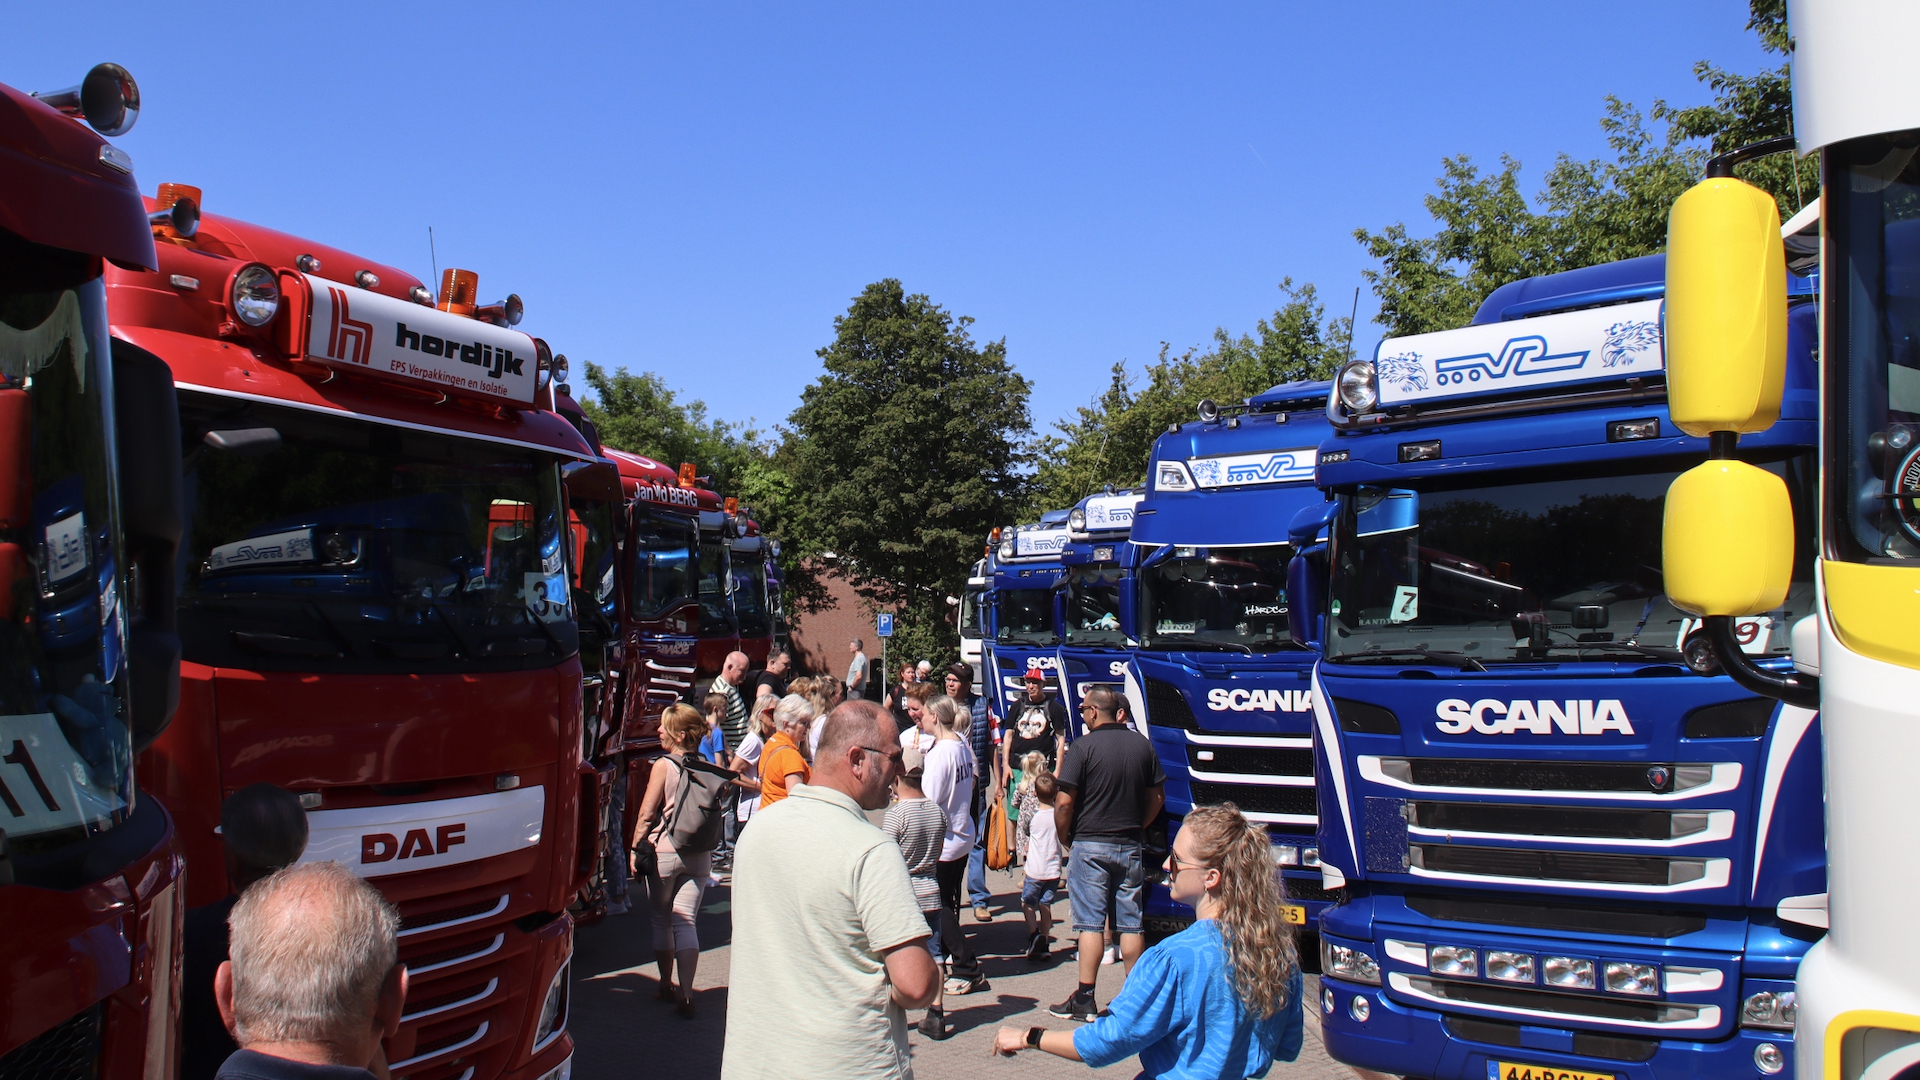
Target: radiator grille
(1254, 799)
(1524, 820)
(1647, 923)
(1167, 706)
(1530, 775)
(1252, 760)
(68, 1051)
(1555, 865)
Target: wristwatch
(1033, 1036)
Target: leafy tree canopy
(905, 452)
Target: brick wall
(820, 638)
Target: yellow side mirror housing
(1726, 313)
(1728, 539)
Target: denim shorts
(1107, 877)
(1039, 892)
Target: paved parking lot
(618, 1026)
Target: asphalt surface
(619, 1027)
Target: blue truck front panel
(1561, 849)
(1096, 598)
(1225, 695)
(1022, 623)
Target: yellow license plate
(1513, 1070)
(1294, 914)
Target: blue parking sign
(885, 629)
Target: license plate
(1513, 1070)
(1294, 914)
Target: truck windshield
(1232, 598)
(334, 544)
(1025, 617)
(66, 754)
(1093, 605)
(750, 594)
(1873, 220)
(716, 586)
(1525, 567)
(664, 556)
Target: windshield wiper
(1172, 642)
(1630, 648)
(1458, 659)
(1017, 639)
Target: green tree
(1109, 440)
(905, 452)
(1590, 211)
(641, 415)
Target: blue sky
(698, 189)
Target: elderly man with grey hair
(824, 921)
(314, 982)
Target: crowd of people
(776, 779)
(863, 920)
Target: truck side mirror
(1310, 521)
(147, 429)
(595, 480)
(1306, 596)
(1728, 539)
(1726, 309)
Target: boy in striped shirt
(919, 826)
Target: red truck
(661, 616)
(377, 610)
(90, 867)
(756, 602)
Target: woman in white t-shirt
(746, 759)
(949, 782)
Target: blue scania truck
(1022, 631)
(1567, 844)
(1095, 597)
(1216, 679)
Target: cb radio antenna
(1355, 314)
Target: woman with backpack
(678, 877)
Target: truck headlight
(1453, 960)
(1358, 386)
(1767, 1009)
(1077, 520)
(254, 295)
(1350, 964)
(1286, 854)
(1171, 476)
(553, 1011)
(1568, 971)
(1006, 548)
(1625, 978)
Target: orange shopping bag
(999, 855)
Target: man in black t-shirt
(775, 677)
(1111, 789)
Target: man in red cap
(1038, 722)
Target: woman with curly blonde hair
(1222, 997)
